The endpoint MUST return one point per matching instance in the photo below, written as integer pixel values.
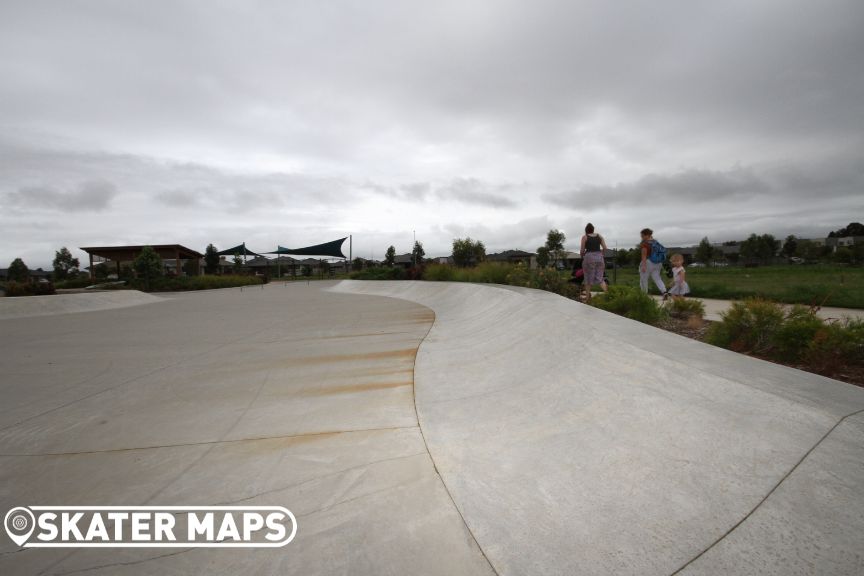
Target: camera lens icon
(19, 524)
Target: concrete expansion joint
(770, 492)
(209, 442)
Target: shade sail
(241, 249)
(333, 249)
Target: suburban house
(528, 259)
(405, 261)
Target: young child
(678, 288)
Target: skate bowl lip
(55, 304)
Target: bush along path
(795, 336)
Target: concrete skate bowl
(574, 441)
(22, 307)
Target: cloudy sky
(294, 123)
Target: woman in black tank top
(593, 262)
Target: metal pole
(413, 248)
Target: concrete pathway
(714, 309)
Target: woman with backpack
(593, 263)
(653, 255)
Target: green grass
(825, 285)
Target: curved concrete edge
(576, 441)
(26, 306)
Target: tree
(762, 248)
(622, 257)
(211, 259)
(238, 263)
(705, 251)
(768, 247)
(853, 229)
(468, 252)
(18, 271)
(390, 256)
(542, 256)
(357, 264)
(64, 264)
(417, 254)
(790, 246)
(148, 266)
(555, 245)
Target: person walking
(653, 255)
(593, 263)
(679, 287)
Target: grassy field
(826, 285)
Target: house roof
(508, 254)
(126, 253)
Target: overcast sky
(295, 123)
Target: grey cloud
(88, 196)
(474, 191)
(526, 234)
(179, 198)
(418, 190)
(782, 182)
(463, 190)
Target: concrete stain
(354, 388)
(409, 353)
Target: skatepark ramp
(574, 441)
(22, 307)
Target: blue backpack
(658, 252)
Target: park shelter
(332, 249)
(120, 254)
(239, 250)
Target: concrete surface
(285, 396)
(578, 442)
(26, 306)
(568, 440)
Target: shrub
(685, 308)
(747, 326)
(384, 273)
(439, 273)
(519, 275)
(80, 282)
(186, 283)
(835, 345)
(630, 302)
(14, 289)
(799, 329)
(486, 272)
